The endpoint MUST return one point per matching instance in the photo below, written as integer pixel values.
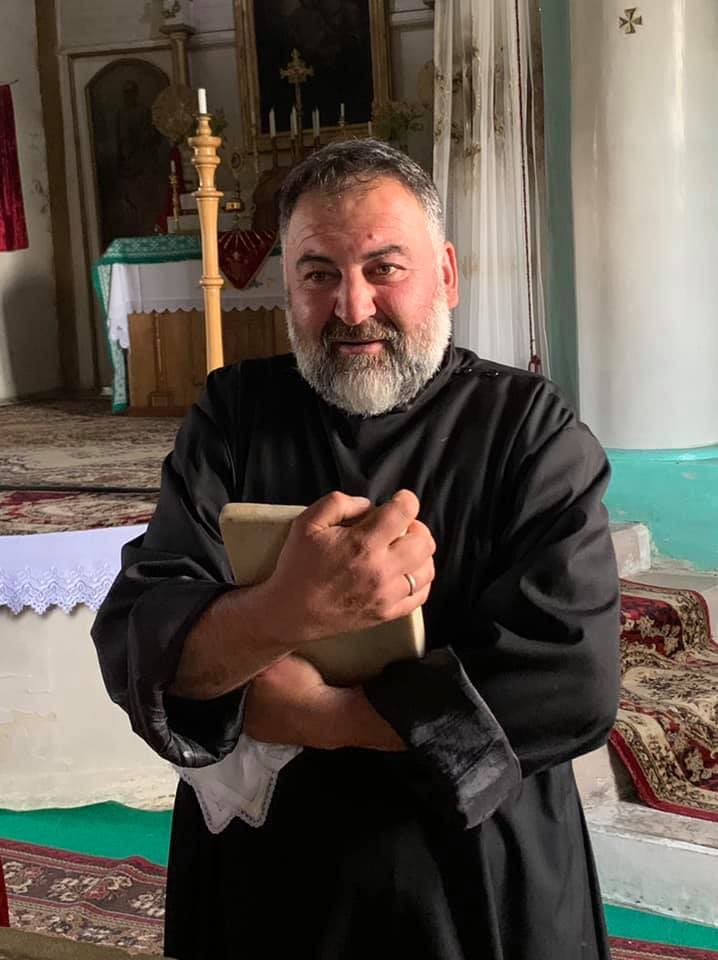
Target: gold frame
(248, 74)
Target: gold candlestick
(255, 150)
(174, 180)
(205, 161)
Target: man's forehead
(371, 211)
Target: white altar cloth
(64, 743)
(42, 570)
(147, 287)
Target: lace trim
(64, 588)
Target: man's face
(370, 289)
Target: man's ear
(450, 274)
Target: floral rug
(47, 511)
(80, 443)
(640, 950)
(120, 903)
(666, 733)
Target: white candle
(272, 124)
(315, 122)
(293, 122)
(173, 167)
(370, 129)
(341, 113)
(202, 97)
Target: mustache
(361, 333)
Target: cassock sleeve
(168, 577)
(532, 679)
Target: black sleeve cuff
(465, 764)
(190, 733)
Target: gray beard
(370, 384)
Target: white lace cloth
(42, 570)
(78, 567)
(144, 287)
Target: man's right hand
(344, 567)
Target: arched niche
(130, 157)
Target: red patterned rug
(640, 950)
(666, 733)
(50, 511)
(120, 903)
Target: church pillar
(644, 141)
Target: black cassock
(472, 844)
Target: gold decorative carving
(248, 77)
(629, 21)
(173, 112)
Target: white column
(644, 139)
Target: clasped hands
(343, 568)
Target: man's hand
(289, 703)
(344, 567)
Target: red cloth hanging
(242, 254)
(13, 229)
(4, 912)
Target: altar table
(149, 291)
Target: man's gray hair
(354, 163)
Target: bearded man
(432, 811)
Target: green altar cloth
(160, 248)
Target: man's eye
(318, 276)
(384, 269)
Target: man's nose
(355, 300)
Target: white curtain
(489, 168)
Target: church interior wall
(560, 273)
(90, 36)
(29, 358)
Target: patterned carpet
(46, 511)
(667, 728)
(80, 443)
(120, 903)
(117, 903)
(73, 465)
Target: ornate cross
(630, 21)
(297, 73)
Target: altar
(152, 302)
(63, 743)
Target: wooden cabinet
(166, 360)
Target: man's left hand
(290, 703)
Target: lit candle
(315, 122)
(293, 122)
(272, 124)
(341, 113)
(202, 97)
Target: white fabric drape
(489, 168)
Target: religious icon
(131, 158)
(342, 43)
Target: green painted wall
(675, 493)
(560, 277)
